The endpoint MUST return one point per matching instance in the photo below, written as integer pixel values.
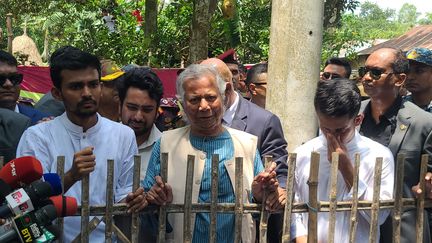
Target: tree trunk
(150, 18)
(198, 47)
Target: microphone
(54, 180)
(23, 170)
(21, 201)
(29, 227)
(64, 205)
(5, 189)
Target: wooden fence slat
(214, 197)
(85, 209)
(1, 161)
(162, 208)
(238, 199)
(420, 200)
(264, 213)
(187, 224)
(313, 198)
(354, 212)
(286, 237)
(135, 223)
(109, 201)
(60, 172)
(91, 226)
(375, 201)
(397, 212)
(332, 196)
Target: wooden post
(333, 194)
(109, 201)
(264, 213)
(135, 225)
(214, 197)
(313, 198)
(162, 208)
(375, 200)
(289, 198)
(187, 224)
(85, 209)
(420, 199)
(9, 31)
(238, 199)
(60, 172)
(398, 206)
(354, 212)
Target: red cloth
(38, 79)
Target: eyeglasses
(374, 73)
(14, 78)
(328, 75)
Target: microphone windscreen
(21, 170)
(54, 180)
(64, 205)
(46, 214)
(39, 190)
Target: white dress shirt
(61, 137)
(369, 150)
(230, 112)
(145, 149)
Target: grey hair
(195, 72)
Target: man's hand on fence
(276, 200)
(136, 201)
(84, 163)
(266, 180)
(160, 193)
(428, 187)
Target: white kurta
(110, 140)
(369, 151)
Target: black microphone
(5, 189)
(22, 200)
(30, 226)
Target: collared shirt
(383, 131)
(16, 109)
(368, 150)
(224, 146)
(230, 112)
(427, 108)
(61, 137)
(145, 149)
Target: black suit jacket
(12, 126)
(412, 137)
(267, 127)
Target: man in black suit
(244, 115)
(12, 126)
(401, 126)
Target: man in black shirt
(401, 126)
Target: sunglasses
(14, 78)
(374, 73)
(328, 75)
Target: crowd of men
(97, 111)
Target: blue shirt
(224, 146)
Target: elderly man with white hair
(200, 90)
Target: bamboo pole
(354, 212)
(60, 172)
(135, 223)
(9, 31)
(397, 212)
(109, 201)
(214, 197)
(375, 201)
(238, 199)
(1, 161)
(420, 199)
(289, 198)
(264, 213)
(163, 208)
(333, 195)
(187, 224)
(313, 198)
(85, 209)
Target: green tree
(408, 14)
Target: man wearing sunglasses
(419, 81)
(336, 68)
(401, 126)
(256, 82)
(10, 81)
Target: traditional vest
(178, 146)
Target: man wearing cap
(112, 75)
(419, 78)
